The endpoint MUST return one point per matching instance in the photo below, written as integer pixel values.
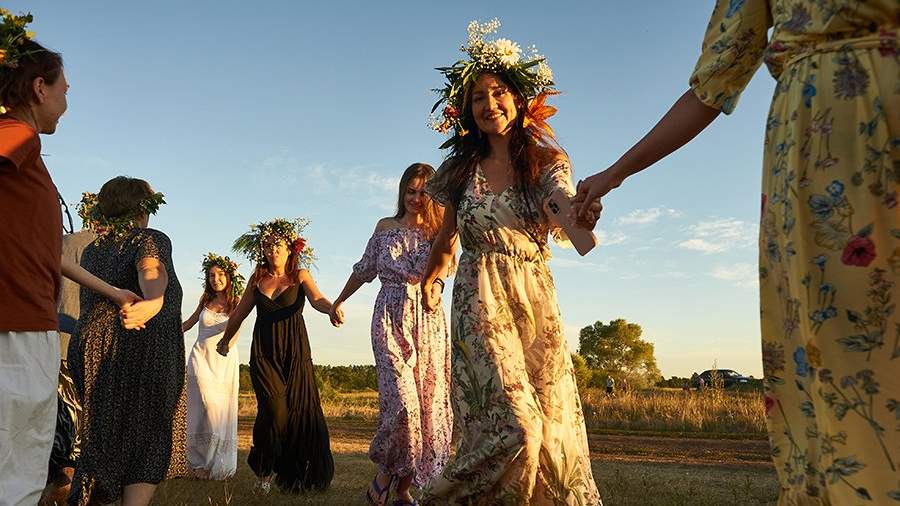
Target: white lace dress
(212, 401)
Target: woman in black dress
(129, 373)
(290, 438)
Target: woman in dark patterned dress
(129, 373)
(290, 438)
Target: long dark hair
(529, 157)
(16, 83)
(434, 212)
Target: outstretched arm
(84, 278)
(237, 317)
(336, 314)
(313, 295)
(193, 319)
(687, 118)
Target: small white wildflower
(507, 51)
(544, 73)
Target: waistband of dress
(519, 255)
(789, 49)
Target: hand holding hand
(224, 346)
(589, 220)
(431, 297)
(336, 315)
(592, 189)
(135, 316)
(123, 298)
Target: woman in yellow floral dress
(829, 233)
(515, 402)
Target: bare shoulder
(386, 224)
(303, 276)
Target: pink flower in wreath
(860, 251)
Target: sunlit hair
(529, 154)
(231, 299)
(434, 212)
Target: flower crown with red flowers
(229, 266)
(251, 243)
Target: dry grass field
(647, 448)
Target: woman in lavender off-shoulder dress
(411, 346)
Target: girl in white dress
(212, 380)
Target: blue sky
(240, 113)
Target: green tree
(583, 373)
(617, 349)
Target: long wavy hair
(434, 212)
(530, 154)
(231, 299)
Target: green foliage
(330, 379)
(583, 374)
(673, 382)
(617, 349)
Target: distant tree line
(337, 378)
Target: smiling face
(217, 278)
(414, 199)
(276, 252)
(51, 102)
(493, 105)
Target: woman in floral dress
(521, 427)
(411, 345)
(829, 234)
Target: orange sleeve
(19, 145)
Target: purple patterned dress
(412, 359)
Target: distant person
(411, 345)
(290, 437)
(701, 383)
(130, 377)
(213, 380)
(610, 385)
(624, 385)
(829, 234)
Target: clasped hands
(134, 312)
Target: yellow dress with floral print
(829, 235)
(521, 432)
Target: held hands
(431, 297)
(136, 315)
(589, 219)
(224, 346)
(124, 298)
(590, 190)
(336, 315)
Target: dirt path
(355, 435)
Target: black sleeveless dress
(290, 438)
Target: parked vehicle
(728, 377)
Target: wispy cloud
(359, 183)
(611, 238)
(718, 235)
(572, 263)
(645, 216)
(740, 274)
